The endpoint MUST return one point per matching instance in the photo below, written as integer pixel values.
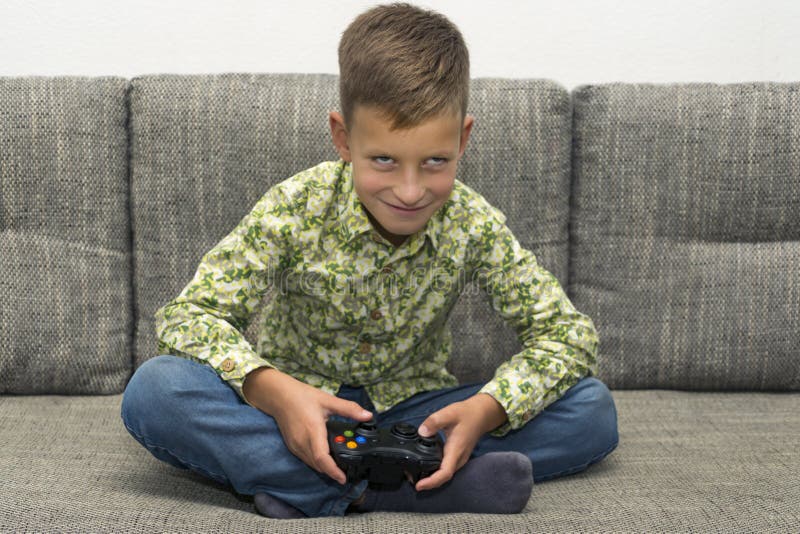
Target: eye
(436, 162)
(383, 160)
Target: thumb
(435, 422)
(350, 409)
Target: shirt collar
(353, 220)
(434, 227)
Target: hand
(301, 412)
(463, 423)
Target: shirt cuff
(494, 389)
(234, 368)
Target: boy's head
(404, 82)
(409, 63)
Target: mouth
(405, 210)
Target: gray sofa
(670, 214)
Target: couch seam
(571, 204)
(132, 264)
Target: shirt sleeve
(559, 343)
(206, 321)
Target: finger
(328, 466)
(438, 478)
(437, 421)
(456, 453)
(445, 472)
(350, 409)
(323, 460)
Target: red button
(339, 439)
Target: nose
(410, 190)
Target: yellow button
(228, 365)
(352, 444)
(376, 314)
(364, 347)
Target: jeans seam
(580, 467)
(147, 444)
(339, 507)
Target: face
(401, 176)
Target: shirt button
(376, 314)
(387, 270)
(364, 347)
(228, 365)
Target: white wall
(572, 42)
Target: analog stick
(404, 431)
(367, 428)
(427, 442)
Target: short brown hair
(410, 63)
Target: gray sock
(269, 506)
(495, 483)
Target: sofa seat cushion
(686, 461)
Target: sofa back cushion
(686, 233)
(205, 148)
(66, 312)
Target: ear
(339, 135)
(469, 120)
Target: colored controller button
(348, 433)
(361, 440)
(352, 445)
(339, 439)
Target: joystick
(404, 431)
(368, 428)
(383, 456)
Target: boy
(370, 253)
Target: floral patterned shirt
(351, 308)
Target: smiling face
(401, 176)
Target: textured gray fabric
(685, 237)
(686, 462)
(66, 315)
(205, 148)
(518, 157)
(686, 233)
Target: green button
(348, 433)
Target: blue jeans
(187, 416)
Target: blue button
(361, 440)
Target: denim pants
(186, 415)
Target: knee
(597, 416)
(151, 387)
(152, 377)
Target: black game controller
(383, 456)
